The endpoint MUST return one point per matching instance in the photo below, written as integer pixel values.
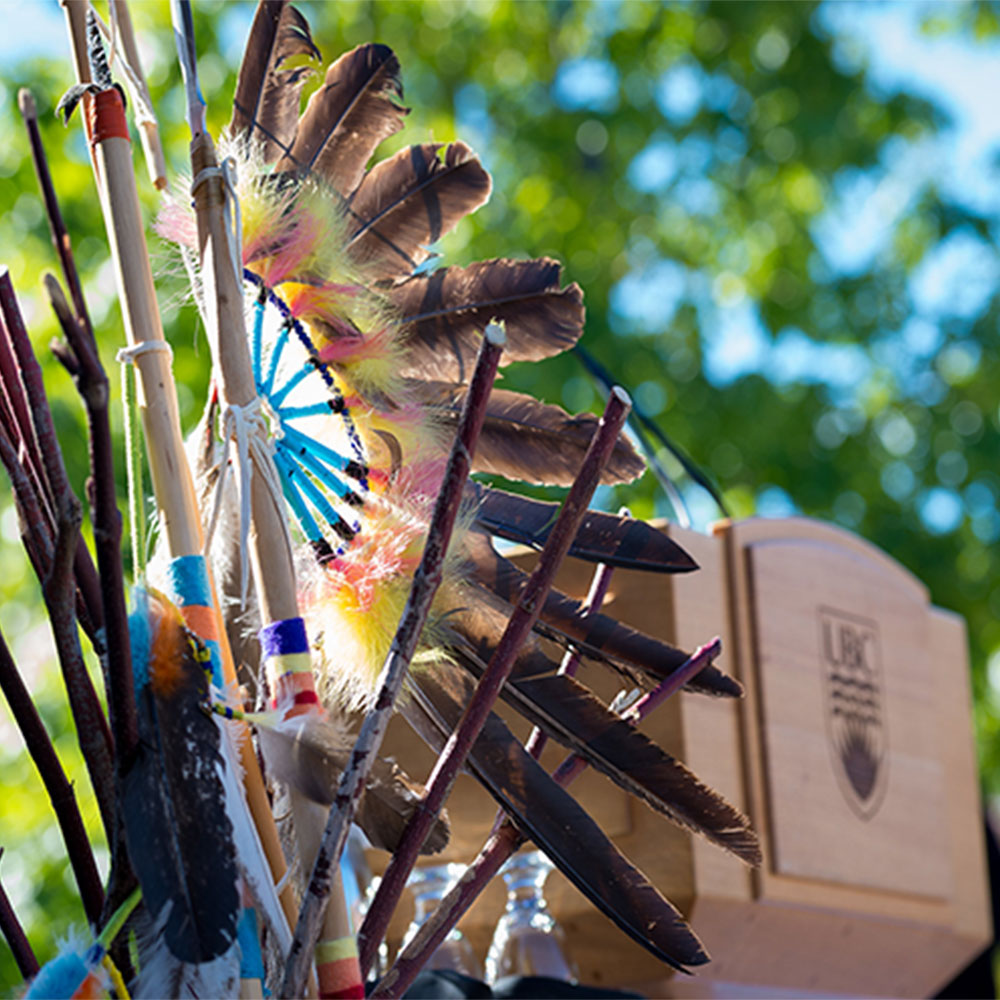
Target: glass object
(428, 885)
(527, 940)
(359, 890)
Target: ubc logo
(852, 672)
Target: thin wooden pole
(172, 481)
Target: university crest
(851, 664)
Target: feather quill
(545, 812)
(250, 857)
(411, 200)
(533, 442)
(266, 102)
(346, 119)
(601, 538)
(444, 314)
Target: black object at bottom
(444, 984)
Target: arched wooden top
(806, 531)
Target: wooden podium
(852, 753)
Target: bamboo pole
(149, 133)
(270, 549)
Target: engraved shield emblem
(851, 663)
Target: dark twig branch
(93, 386)
(15, 937)
(58, 587)
(86, 577)
(521, 622)
(104, 511)
(425, 584)
(36, 532)
(60, 791)
(599, 584)
(506, 839)
(60, 236)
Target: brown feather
(410, 200)
(348, 117)
(496, 586)
(555, 821)
(445, 313)
(566, 710)
(310, 754)
(530, 441)
(266, 103)
(604, 538)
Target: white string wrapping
(128, 355)
(247, 429)
(230, 207)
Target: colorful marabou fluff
(294, 239)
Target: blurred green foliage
(679, 159)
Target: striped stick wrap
(285, 651)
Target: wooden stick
(270, 553)
(599, 584)
(506, 839)
(149, 133)
(85, 366)
(19, 393)
(521, 622)
(426, 581)
(172, 481)
(59, 789)
(76, 25)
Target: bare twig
(59, 789)
(58, 587)
(15, 937)
(36, 532)
(82, 361)
(426, 581)
(60, 237)
(23, 385)
(92, 384)
(506, 839)
(476, 712)
(599, 584)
